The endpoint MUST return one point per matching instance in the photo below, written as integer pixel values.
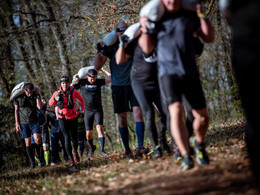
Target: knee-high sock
(90, 143)
(139, 129)
(125, 137)
(102, 143)
(29, 151)
(47, 157)
(38, 148)
(81, 147)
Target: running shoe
(177, 155)
(142, 151)
(200, 149)
(187, 162)
(128, 154)
(32, 166)
(165, 148)
(40, 161)
(157, 152)
(81, 153)
(72, 163)
(91, 151)
(76, 157)
(102, 153)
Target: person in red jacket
(65, 99)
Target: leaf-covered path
(228, 173)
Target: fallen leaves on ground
(228, 173)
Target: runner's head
(64, 82)
(120, 28)
(28, 89)
(172, 5)
(92, 75)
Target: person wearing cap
(178, 73)
(64, 98)
(26, 120)
(90, 88)
(122, 93)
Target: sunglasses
(29, 91)
(121, 29)
(64, 80)
(92, 76)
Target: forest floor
(228, 173)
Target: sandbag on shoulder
(17, 90)
(131, 33)
(153, 10)
(84, 71)
(110, 38)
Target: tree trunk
(60, 38)
(44, 63)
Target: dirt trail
(228, 173)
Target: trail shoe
(40, 161)
(142, 151)
(102, 153)
(32, 166)
(187, 162)
(76, 157)
(201, 155)
(91, 151)
(71, 162)
(157, 152)
(81, 153)
(177, 155)
(128, 154)
(165, 147)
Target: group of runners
(156, 70)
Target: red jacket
(68, 113)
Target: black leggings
(146, 95)
(69, 130)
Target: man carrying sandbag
(178, 72)
(122, 93)
(90, 88)
(26, 120)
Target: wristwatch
(38, 96)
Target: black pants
(69, 131)
(146, 95)
(55, 138)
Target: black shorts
(89, 118)
(173, 88)
(123, 99)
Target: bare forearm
(146, 43)
(207, 30)
(99, 61)
(121, 56)
(16, 114)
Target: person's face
(121, 27)
(43, 101)
(172, 5)
(92, 79)
(28, 93)
(64, 86)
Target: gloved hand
(57, 96)
(123, 41)
(100, 46)
(75, 79)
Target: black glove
(99, 47)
